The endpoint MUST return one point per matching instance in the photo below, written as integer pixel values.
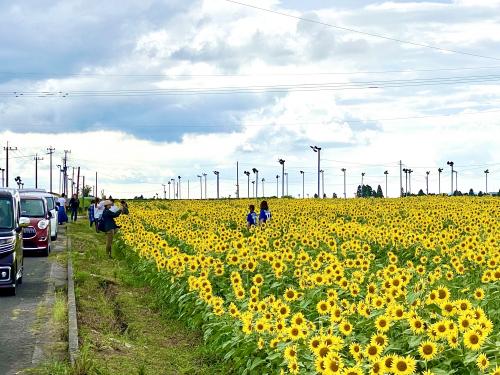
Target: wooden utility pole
(7, 149)
(36, 158)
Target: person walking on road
(74, 204)
(109, 225)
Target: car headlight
(7, 241)
(43, 224)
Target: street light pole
(217, 174)
(50, 151)
(164, 191)
(256, 172)
(386, 173)
(205, 176)
(277, 186)
(253, 188)
(179, 177)
(247, 173)
(451, 164)
(263, 180)
(318, 150)
(169, 182)
(439, 179)
(410, 171)
(427, 181)
(282, 162)
(486, 175)
(302, 173)
(456, 180)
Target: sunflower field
(351, 287)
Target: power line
(402, 41)
(333, 86)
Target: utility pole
(302, 173)
(282, 162)
(36, 159)
(277, 186)
(205, 175)
(427, 181)
(7, 149)
(256, 172)
(237, 180)
(217, 174)
(3, 177)
(486, 175)
(78, 183)
(318, 150)
(401, 178)
(247, 173)
(263, 180)
(405, 170)
(343, 170)
(179, 188)
(451, 164)
(439, 180)
(50, 151)
(72, 181)
(201, 187)
(386, 173)
(65, 172)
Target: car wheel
(46, 251)
(53, 238)
(20, 280)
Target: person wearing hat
(109, 225)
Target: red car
(36, 236)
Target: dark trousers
(74, 213)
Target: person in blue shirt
(251, 217)
(264, 214)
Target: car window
(50, 203)
(32, 208)
(6, 214)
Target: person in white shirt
(98, 210)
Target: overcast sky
(145, 91)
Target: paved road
(18, 314)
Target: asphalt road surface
(18, 314)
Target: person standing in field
(62, 217)
(124, 206)
(251, 217)
(90, 211)
(74, 204)
(265, 213)
(98, 210)
(109, 225)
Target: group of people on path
(62, 205)
(264, 215)
(102, 214)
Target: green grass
(121, 327)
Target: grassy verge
(121, 328)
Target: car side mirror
(24, 222)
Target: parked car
(51, 205)
(36, 235)
(11, 254)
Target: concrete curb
(72, 320)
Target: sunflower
(479, 294)
(353, 371)
(372, 352)
(380, 340)
(382, 323)
(345, 327)
(472, 340)
(290, 295)
(403, 366)
(291, 353)
(427, 350)
(333, 364)
(378, 368)
(482, 362)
